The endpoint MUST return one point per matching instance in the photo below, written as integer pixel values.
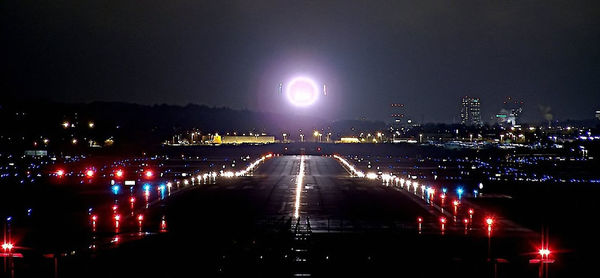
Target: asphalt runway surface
(346, 227)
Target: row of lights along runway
(427, 194)
(132, 224)
(138, 218)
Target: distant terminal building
(598, 114)
(510, 112)
(36, 153)
(347, 140)
(249, 139)
(470, 111)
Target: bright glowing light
(544, 252)
(420, 219)
(148, 174)
(489, 221)
(115, 189)
(302, 91)
(7, 246)
(140, 217)
(60, 172)
(228, 174)
(89, 173)
(443, 220)
(119, 173)
(371, 176)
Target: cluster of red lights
(489, 221)
(7, 246)
(118, 173)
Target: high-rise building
(598, 114)
(470, 112)
(397, 115)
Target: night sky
(425, 54)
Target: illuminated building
(252, 139)
(397, 115)
(510, 112)
(346, 140)
(470, 112)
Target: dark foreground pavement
(346, 227)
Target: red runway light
(7, 246)
(544, 252)
(471, 211)
(489, 221)
(443, 220)
(140, 217)
(60, 172)
(148, 174)
(119, 173)
(94, 217)
(89, 173)
(117, 217)
(132, 199)
(466, 220)
(420, 219)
